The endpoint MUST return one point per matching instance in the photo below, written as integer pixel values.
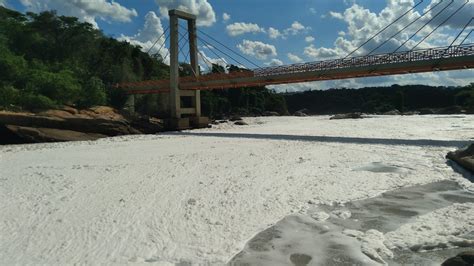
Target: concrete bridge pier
(183, 117)
(130, 104)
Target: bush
(61, 87)
(93, 93)
(34, 102)
(9, 96)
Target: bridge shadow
(330, 139)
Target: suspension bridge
(183, 114)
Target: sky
(280, 32)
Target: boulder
(302, 112)
(240, 123)
(347, 116)
(70, 110)
(463, 157)
(235, 118)
(451, 110)
(30, 134)
(462, 259)
(411, 113)
(393, 112)
(271, 114)
(427, 111)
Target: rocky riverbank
(71, 124)
(464, 157)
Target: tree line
(381, 99)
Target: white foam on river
(198, 196)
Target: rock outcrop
(464, 157)
(347, 116)
(70, 124)
(462, 259)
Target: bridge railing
(371, 60)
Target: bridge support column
(130, 104)
(176, 112)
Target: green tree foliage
(379, 99)
(48, 60)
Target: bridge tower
(184, 117)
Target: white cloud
(309, 39)
(240, 28)
(294, 58)
(148, 35)
(208, 61)
(3, 2)
(274, 62)
(312, 10)
(86, 10)
(296, 28)
(201, 8)
(274, 33)
(320, 53)
(336, 15)
(225, 17)
(257, 49)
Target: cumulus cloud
(274, 62)
(201, 8)
(206, 62)
(225, 17)
(294, 58)
(257, 49)
(85, 10)
(309, 39)
(3, 2)
(240, 28)
(296, 28)
(147, 36)
(274, 33)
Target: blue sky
(274, 32)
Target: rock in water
(462, 259)
(240, 123)
(299, 113)
(393, 112)
(464, 157)
(271, 114)
(347, 116)
(51, 135)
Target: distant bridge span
(418, 61)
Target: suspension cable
(225, 46)
(404, 28)
(426, 24)
(446, 20)
(163, 44)
(212, 47)
(159, 38)
(182, 46)
(208, 63)
(386, 27)
(219, 57)
(465, 38)
(463, 29)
